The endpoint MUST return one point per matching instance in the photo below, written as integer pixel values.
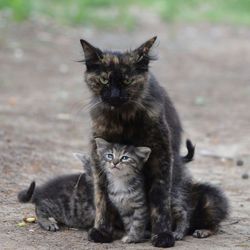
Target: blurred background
(203, 51)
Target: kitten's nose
(115, 162)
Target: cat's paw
(132, 239)
(178, 235)
(165, 239)
(49, 226)
(202, 233)
(96, 235)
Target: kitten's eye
(127, 81)
(109, 157)
(124, 158)
(103, 80)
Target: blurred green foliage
(115, 13)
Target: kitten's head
(121, 160)
(117, 77)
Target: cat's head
(121, 160)
(117, 77)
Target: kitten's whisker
(78, 180)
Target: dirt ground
(44, 117)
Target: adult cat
(132, 108)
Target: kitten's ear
(142, 53)
(144, 153)
(92, 54)
(82, 157)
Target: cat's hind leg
(180, 217)
(44, 220)
(211, 208)
(203, 233)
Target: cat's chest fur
(122, 128)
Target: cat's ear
(101, 143)
(92, 54)
(82, 157)
(141, 54)
(144, 153)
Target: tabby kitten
(125, 184)
(67, 199)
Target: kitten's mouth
(115, 167)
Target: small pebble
(245, 176)
(239, 162)
(200, 101)
(21, 224)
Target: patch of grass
(220, 11)
(115, 13)
(20, 10)
(101, 13)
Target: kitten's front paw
(178, 235)
(49, 226)
(96, 235)
(165, 239)
(131, 239)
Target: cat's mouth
(115, 102)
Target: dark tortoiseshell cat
(130, 107)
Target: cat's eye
(127, 81)
(124, 158)
(109, 157)
(103, 80)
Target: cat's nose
(115, 97)
(115, 93)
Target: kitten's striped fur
(68, 199)
(126, 185)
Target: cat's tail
(26, 195)
(190, 154)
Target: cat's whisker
(95, 105)
(88, 107)
(143, 107)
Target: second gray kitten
(68, 199)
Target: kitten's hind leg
(44, 221)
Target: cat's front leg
(160, 178)
(102, 230)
